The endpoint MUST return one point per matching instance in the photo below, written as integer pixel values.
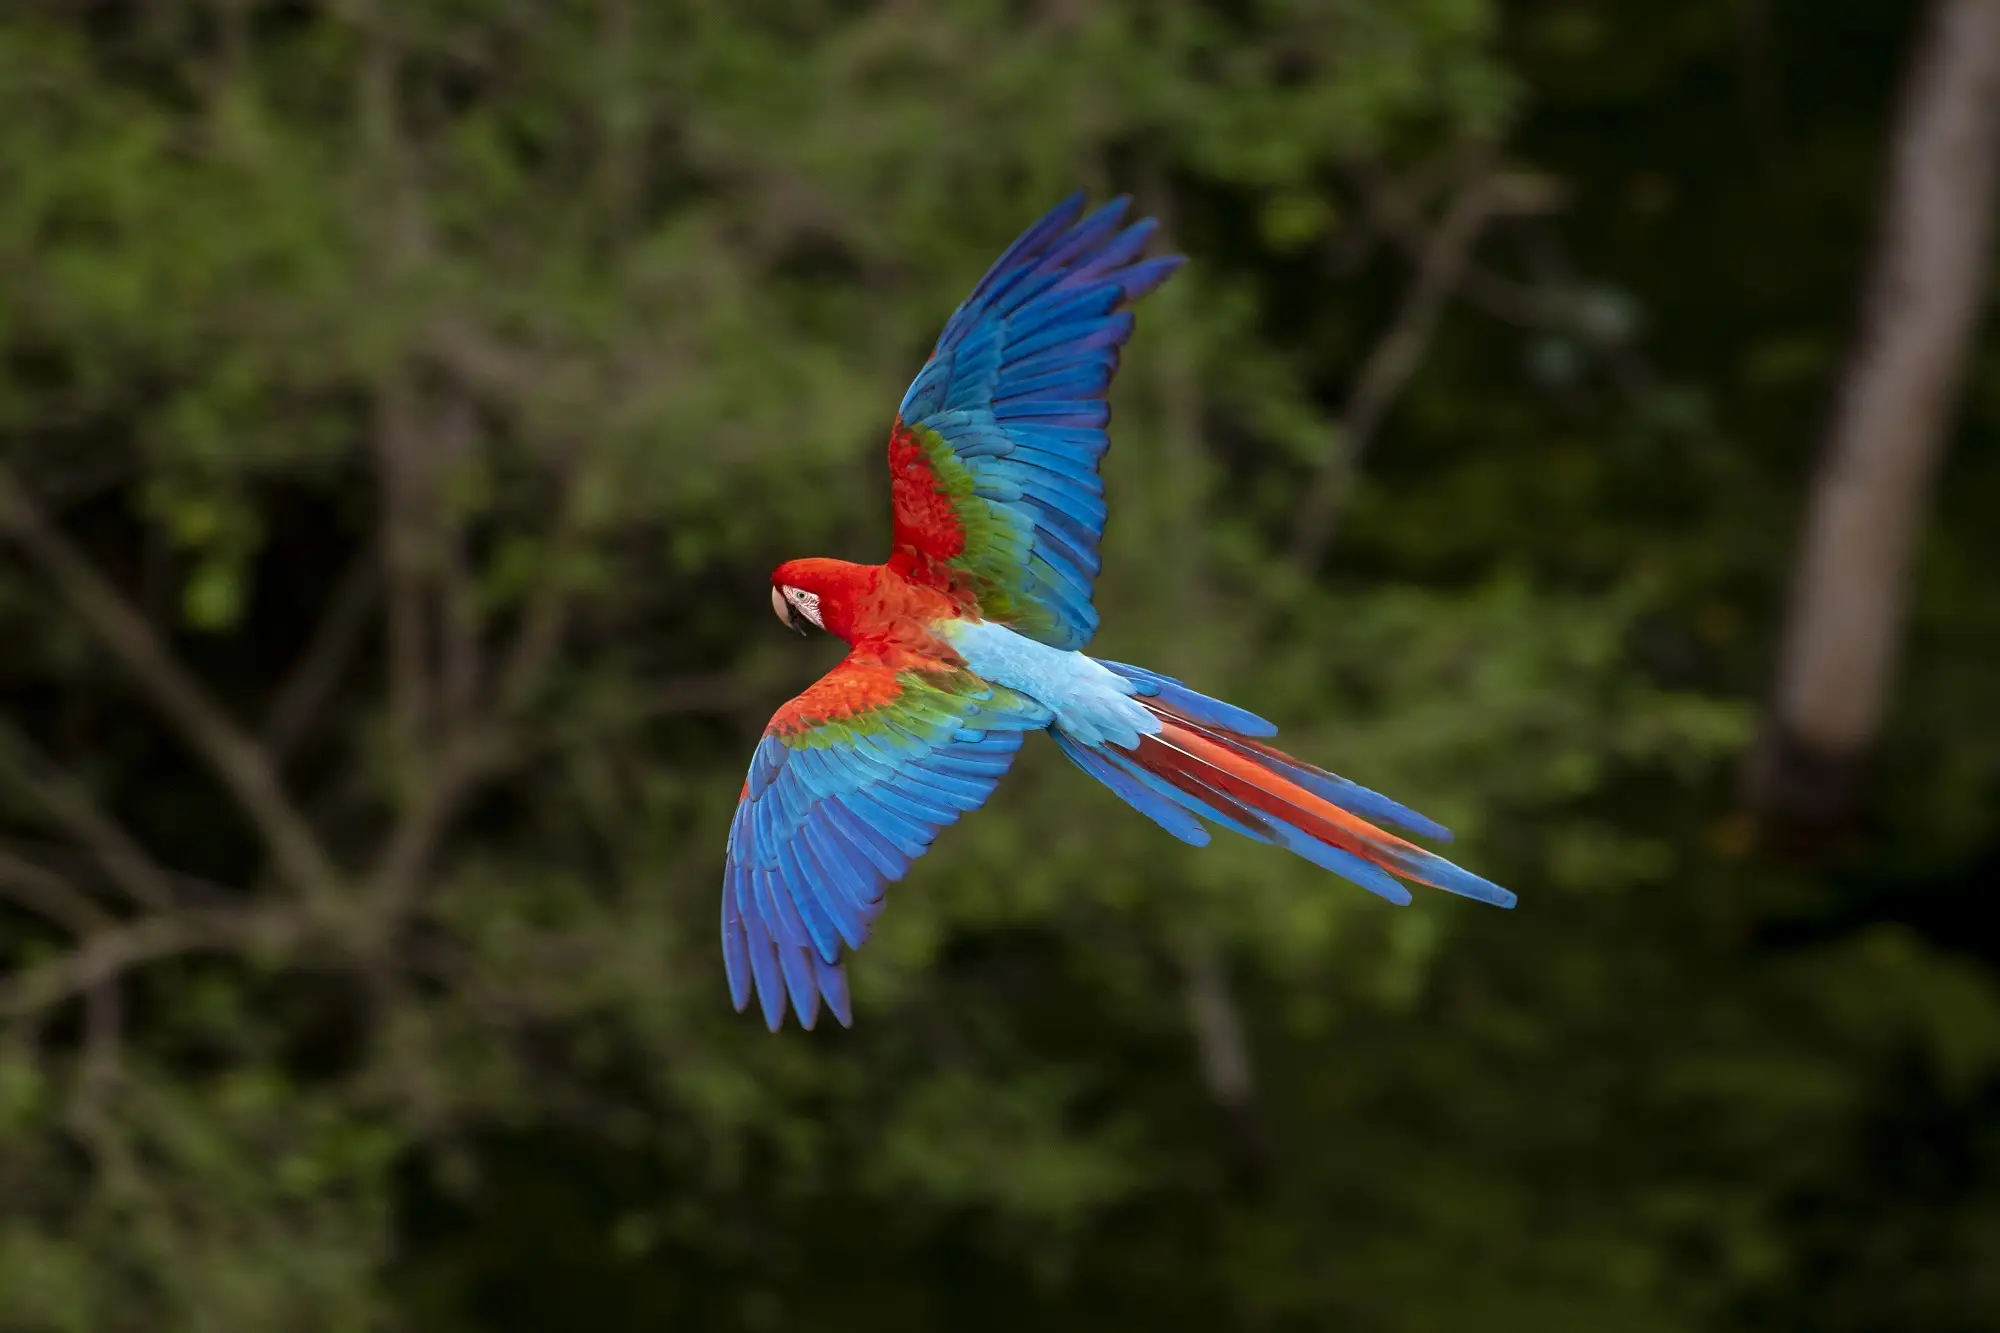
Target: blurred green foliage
(490, 317)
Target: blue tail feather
(1199, 707)
(1166, 813)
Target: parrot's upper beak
(784, 610)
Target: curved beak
(784, 610)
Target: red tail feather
(1234, 779)
(1190, 756)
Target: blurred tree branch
(49, 895)
(1551, 301)
(1224, 1057)
(108, 953)
(1481, 195)
(327, 656)
(243, 766)
(71, 805)
(407, 560)
(478, 736)
(1889, 425)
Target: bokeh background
(402, 403)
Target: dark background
(413, 398)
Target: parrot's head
(815, 593)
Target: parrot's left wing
(850, 783)
(993, 457)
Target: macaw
(972, 635)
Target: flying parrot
(972, 635)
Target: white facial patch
(806, 602)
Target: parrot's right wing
(851, 782)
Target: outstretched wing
(994, 454)
(850, 783)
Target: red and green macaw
(972, 635)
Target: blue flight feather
(735, 950)
(764, 970)
(802, 982)
(833, 987)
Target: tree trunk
(1888, 426)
